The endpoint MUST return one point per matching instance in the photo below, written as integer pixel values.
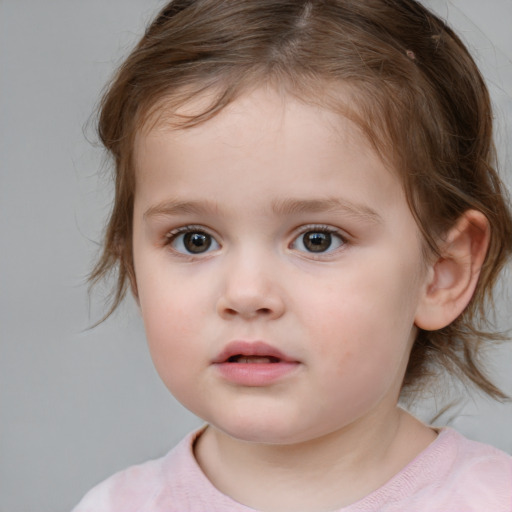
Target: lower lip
(256, 374)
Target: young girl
(309, 219)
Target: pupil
(316, 241)
(197, 242)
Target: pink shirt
(453, 474)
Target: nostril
(257, 312)
(253, 306)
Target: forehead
(267, 142)
(335, 103)
(273, 109)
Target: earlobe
(453, 275)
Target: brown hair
(417, 95)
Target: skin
(255, 179)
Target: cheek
(174, 354)
(170, 322)
(365, 321)
(170, 304)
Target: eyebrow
(288, 206)
(172, 207)
(328, 205)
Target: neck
(324, 473)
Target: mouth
(254, 364)
(242, 359)
(243, 352)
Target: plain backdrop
(78, 404)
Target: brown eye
(317, 241)
(197, 242)
(192, 241)
(322, 240)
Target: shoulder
(141, 486)
(478, 469)
(454, 474)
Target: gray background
(77, 404)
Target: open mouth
(254, 364)
(244, 352)
(243, 359)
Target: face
(278, 270)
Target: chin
(261, 431)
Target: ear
(453, 275)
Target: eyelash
(173, 236)
(320, 228)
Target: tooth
(253, 359)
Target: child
(309, 219)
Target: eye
(190, 240)
(318, 240)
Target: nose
(250, 291)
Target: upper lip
(251, 348)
